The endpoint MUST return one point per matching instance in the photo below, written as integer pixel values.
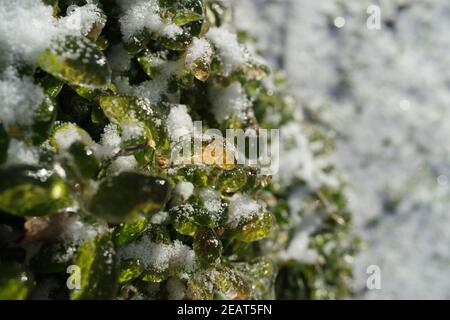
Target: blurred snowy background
(386, 95)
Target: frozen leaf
(128, 232)
(198, 175)
(199, 57)
(248, 219)
(151, 63)
(231, 181)
(188, 11)
(223, 281)
(124, 109)
(84, 160)
(76, 61)
(207, 246)
(137, 43)
(126, 196)
(32, 191)
(177, 43)
(186, 16)
(51, 85)
(96, 259)
(130, 270)
(43, 120)
(260, 272)
(184, 220)
(256, 228)
(67, 134)
(89, 20)
(93, 94)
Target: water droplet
(442, 180)
(339, 22)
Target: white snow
(119, 59)
(228, 47)
(385, 94)
(241, 209)
(82, 19)
(200, 49)
(19, 97)
(110, 142)
(27, 28)
(160, 256)
(70, 133)
(211, 200)
(132, 131)
(298, 250)
(184, 189)
(21, 153)
(160, 217)
(297, 160)
(123, 164)
(151, 90)
(228, 102)
(75, 231)
(140, 15)
(179, 123)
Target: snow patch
(19, 97)
(179, 123)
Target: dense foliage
(87, 180)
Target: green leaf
(43, 120)
(130, 270)
(84, 160)
(260, 272)
(102, 43)
(125, 197)
(76, 61)
(98, 269)
(55, 5)
(231, 181)
(184, 220)
(178, 43)
(198, 175)
(166, 3)
(93, 94)
(15, 282)
(128, 232)
(51, 85)
(185, 16)
(137, 43)
(256, 228)
(207, 246)
(224, 281)
(151, 63)
(67, 134)
(97, 27)
(32, 191)
(123, 109)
